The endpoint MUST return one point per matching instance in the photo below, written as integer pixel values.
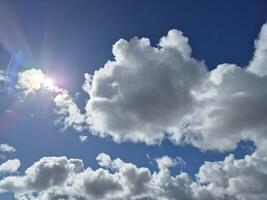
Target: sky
(133, 100)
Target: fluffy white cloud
(258, 63)
(10, 166)
(30, 80)
(146, 92)
(59, 178)
(231, 108)
(6, 148)
(233, 179)
(150, 93)
(46, 173)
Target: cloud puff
(233, 179)
(10, 166)
(166, 162)
(231, 109)
(6, 148)
(69, 113)
(46, 173)
(54, 178)
(258, 63)
(145, 93)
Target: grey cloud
(233, 109)
(46, 173)
(146, 91)
(239, 179)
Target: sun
(48, 83)
(38, 80)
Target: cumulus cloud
(46, 173)
(6, 148)
(54, 178)
(231, 109)
(10, 166)
(233, 179)
(166, 162)
(150, 93)
(258, 63)
(146, 92)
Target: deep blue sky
(73, 37)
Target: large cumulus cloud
(232, 109)
(149, 93)
(59, 178)
(146, 92)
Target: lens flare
(30, 81)
(48, 83)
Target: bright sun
(37, 81)
(48, 83)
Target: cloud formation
(150, 93)
(258, 63)
(59, 178)
(146, 92)
(10, 166)
(6, 148)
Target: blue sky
(66, 39)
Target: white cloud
(258, 63)
(46, 173)
(30, 81)
(233, 179)
(150, 93)
(234, 110)
(68, 111)
(10, 166)
(83, 138)
(146, 91)
(165, 162)
(6, 148)
(61, 178)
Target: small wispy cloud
(33, 80)
(4, 148)
(83, 138)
